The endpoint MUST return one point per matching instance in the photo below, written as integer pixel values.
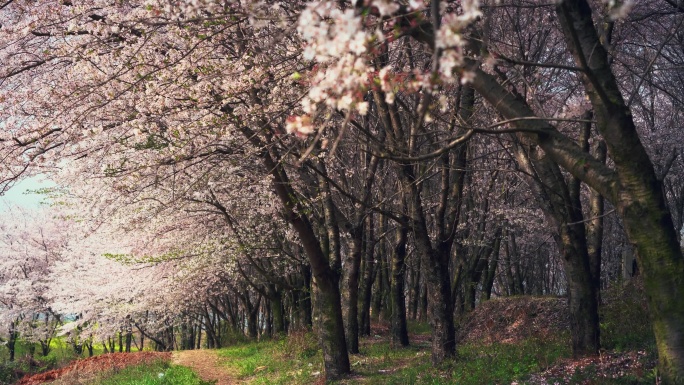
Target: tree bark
(415, 296)
(380, 270)
(368, 275)
(129, 336)
(11, 343)
(277, 309)
(352, 325)
(399, 326)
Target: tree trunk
(267, 319)
(437, 274)
(561, 204)
(330, 327)
(440, 309)
(129, 339)
(208, 326)
(368, 275)
(399, 327)
(199, 337)
(11, 343)
(305, 305)
(329, 301)
(423, 305)
(488, 280)
(594, 227)
(377, 293)
(352, 302)
(361, 216)
(252, 317)
(185, 336)
(44, 348)
(333, 343)
(415, 289)
(277, 310)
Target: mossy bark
(649, 226)
(330, 326)
(440, 308)
(399, 329)
(277, 310)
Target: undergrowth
(625, 319)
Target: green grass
(475, 364)
(292, 360)
(504, 363)
(381, 363)
(297, 360)
(60, 354)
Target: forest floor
(207, 364)
(516, 340)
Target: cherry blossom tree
(30, 250)
(166, 115)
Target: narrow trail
(207, 364)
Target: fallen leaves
(96, 364)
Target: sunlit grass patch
(381, 363)
(292, 360)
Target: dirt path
(206, 364)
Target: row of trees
(410, 157)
